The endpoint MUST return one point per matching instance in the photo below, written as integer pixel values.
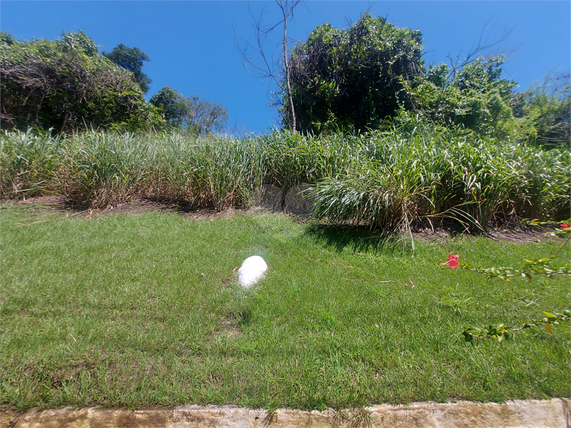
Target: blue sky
(192, 44)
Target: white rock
(251, 271)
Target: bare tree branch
(482, 45)
(264, 67)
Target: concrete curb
(555, 413)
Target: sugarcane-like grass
(135, 310)
(385, 179)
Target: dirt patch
(8, 417)
(511, 233)
(135, 207)
(229, 328)
(516, 235)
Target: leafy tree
(171, 104)
(64, 84)
(204, 116)
(131, 59)
(194, 114)
(148, 118)
(355, 78)
(474, 97)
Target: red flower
(452, 261)
(564, 226)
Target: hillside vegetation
(384, 179)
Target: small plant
(501, 332)
(543, 266)
(358, 417)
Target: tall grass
(428, 173)
(218, 173)
(28, 163)
(385, 179)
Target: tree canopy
(131, 59)
(350, 80)
(192, 113)
(171, 105)
(67, 86)
(63, 84)
(364, 76)
(353, 79)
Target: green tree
(131, 59)
(355, 78)
(192, 113)
(64, 84)
(473, 96)
(171, 104)
(204, 116)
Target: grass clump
(142, 310)
(425, 174)
(28, 163)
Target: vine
(543, 266)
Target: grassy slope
(115, 311)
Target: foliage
(64, 84)
(500, 332)
(474, 97)
(547, 107)
(203, 116)
(131, 59)
(419, 171)
(171, 104)
(542, 266)
(293, 159)
(196, 115)
(147, 119)
(29, 162)
(353, 79)
(383, 180)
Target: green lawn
(114, 310)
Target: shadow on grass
(357, 238)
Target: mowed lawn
(135, 310)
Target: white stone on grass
(251, 271)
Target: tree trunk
(286, 64)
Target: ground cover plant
(133, 310)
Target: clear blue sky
(191, 44)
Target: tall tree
(131, 59)
(354, 78)
(171, 105)
(204, 117)
(548, 107)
